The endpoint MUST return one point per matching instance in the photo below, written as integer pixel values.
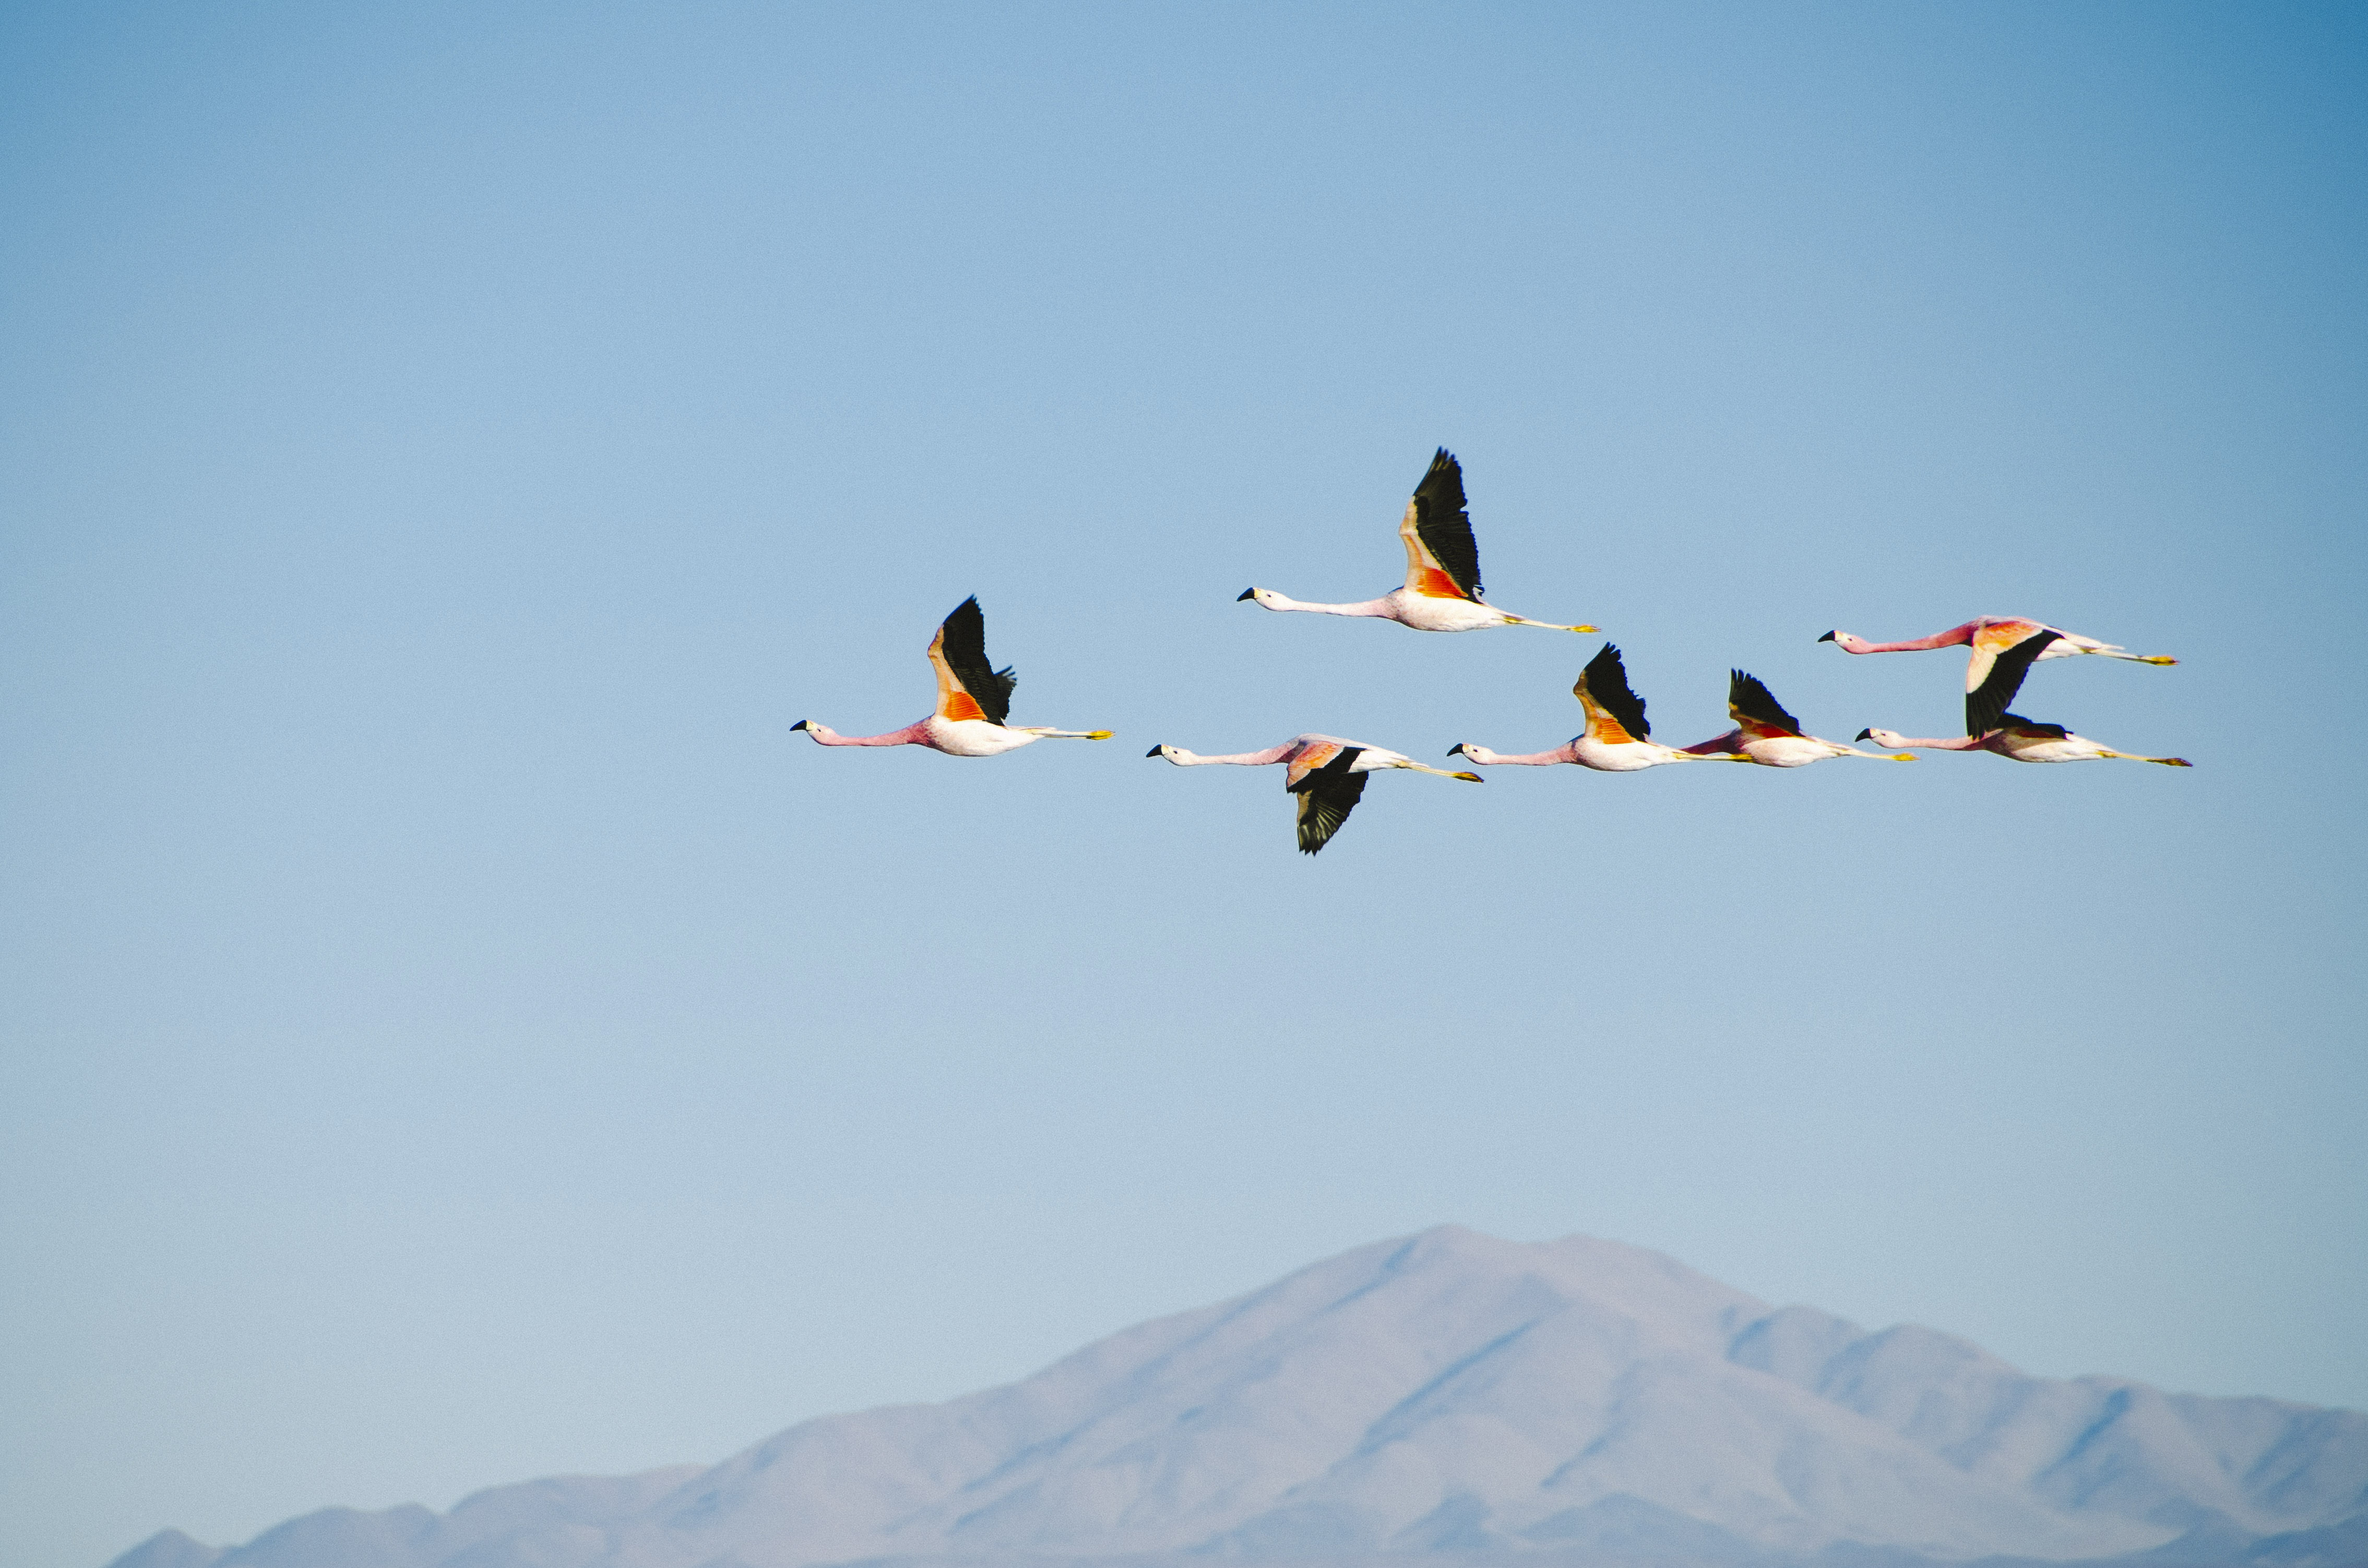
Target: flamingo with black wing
(1617, 739)
(1765, 733)
(1327, 773)
(1991, 635)
(1442, 580)
(973, 700)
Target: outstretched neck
(1486, 758)
(1956, 636)
(1183, 758)
(912, 734)
(1375, 607)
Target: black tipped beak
(1827, 638)
(799, 725)
(1455, 750)
(1246, 594)
(1153, 752)
(1866, 734)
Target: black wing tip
(1749, 695)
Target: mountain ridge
(1447, 1394)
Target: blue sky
(451, 1030)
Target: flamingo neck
(916, 734)
(1183, 759)
(1954, 637)
(1380, 608)
(1486, 758)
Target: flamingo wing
(1755, 709)
(1986, 705)
(2031, 730)
(1309, 753)
(969, 687)
(1614, 713)
(1442, 560)
(1327, 793)
(1991, 639)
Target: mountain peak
(1444, 1393)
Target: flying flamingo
(1616, 740)
(973, 698)
(1989, 727)
(1327, 773)
(1442, 581)
(1769, 737)
(1991, 635)
(2020, 739)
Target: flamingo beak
(1455, 750)
(1862, 734)
(1827, 638)
(799, 725)
(1246, 594)
(1153, 752)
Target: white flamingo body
(1424, 612)
(1442, 581)
(1325, 772)
(972, 698)
(1618, 737)
(955, 738)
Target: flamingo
(1442, 581)
(973, 698)
(2020, 739)
(1991, 635)
(1769, 737)
(1327, 773)
(1989, 727)
(1616, 739)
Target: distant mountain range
(1450, 1395)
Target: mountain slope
(1448, 1392)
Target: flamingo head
(1845, 641)
(820, 734)
(1467, 750)
(1170, 753)
(1263, 598)
(1883, 737)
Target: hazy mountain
(1573, 1401)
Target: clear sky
(452, 1030)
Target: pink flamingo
(1989, 727)
(2020, 739)
(1327, 773)
(1769, 737)
(1442, 581)
(1617, 739)
(973, 698)
(1991, 635)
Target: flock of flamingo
(1328, 774)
